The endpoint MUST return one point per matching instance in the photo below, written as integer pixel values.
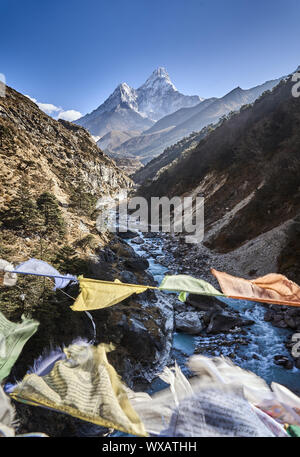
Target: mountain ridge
(152, 142)
(137, 109)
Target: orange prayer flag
(271, 288)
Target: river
(264, 341)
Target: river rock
(280, 323)
(188, 322)
(162, 260)
(290, 321)
(289, 365)
(283, 361)
(179, 307)
(278, 317)
(150, 234)
(205, 303)
(127, 235)
(136, 264)
(279, 357)
(138, 240)
(269, 315)
(221, 322)
(128, 277)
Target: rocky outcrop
(288, 318)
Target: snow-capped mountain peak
(127, 95)
(124, 89)
(156, 98)
(159, 78)
(122, 95)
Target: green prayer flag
(294, 430)
(186, 283)
(13, 337)
(182, 296)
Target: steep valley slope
(51, 175)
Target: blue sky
(73, 54)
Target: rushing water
(262, 342)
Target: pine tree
(67, 261)
(53, 222)
(84, 202)
(22, 213)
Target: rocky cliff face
(52, 155)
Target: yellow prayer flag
(96, 294)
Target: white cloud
(48, 108)
(57, 112)
(69, 115)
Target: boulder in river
(127, 235)
(188, 322)
(205, 303)
(138, 240)
(283, 361)
(269, 315)
(221, 322)
(280, 324)
(137, 264)
(150, 234)
(163, 260)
